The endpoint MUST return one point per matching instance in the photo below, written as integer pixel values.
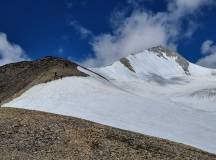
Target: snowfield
(158, 99)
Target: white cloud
(208, 48)
(84, 32)
(193, 4)
(10, 52)
(183, 7)
(135, 34)
(143, 29)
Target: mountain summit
(157, 61)
(160, 51)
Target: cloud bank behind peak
(142, 29)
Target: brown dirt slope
(37, 135)
(16, 78)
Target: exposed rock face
(37, 135)
(127, 64)
(179, 59)
(205, 93)
(16, 78)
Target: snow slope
(158, 98)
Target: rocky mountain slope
(16, 78)
(36, 135)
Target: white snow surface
(158, 99)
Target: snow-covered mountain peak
(160, 51)
(157, 61)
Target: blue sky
(96, 32)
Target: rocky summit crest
(160, 50)
(15, 78)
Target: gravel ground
(37, 135)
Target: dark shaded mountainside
(37, 135)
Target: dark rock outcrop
(127, 64)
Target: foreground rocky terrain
(36, 135)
